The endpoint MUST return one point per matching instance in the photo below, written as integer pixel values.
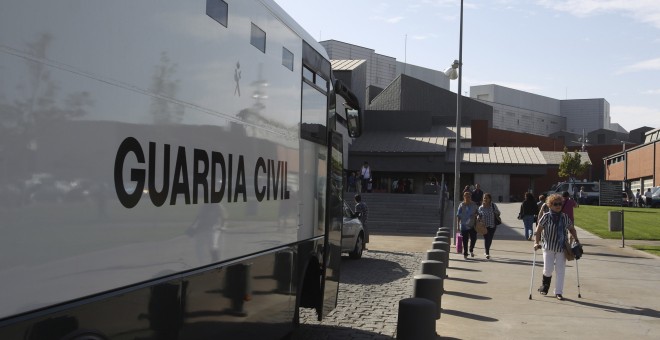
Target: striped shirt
(555, 231)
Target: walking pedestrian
(487, 212)
(351, 182)
(569, 204)
(477, 194)
(582, 196)
(553, 229)
(365, 176)
(528, 212)
(467, 218)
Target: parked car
(352, 236)
(655, 199)
(625, 201)
(591, 188)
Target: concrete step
(402, 213)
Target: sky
(562, 49)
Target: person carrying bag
(553, 229)
(490, 215)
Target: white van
(591, 188)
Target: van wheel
(359, 248)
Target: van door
(333, 224)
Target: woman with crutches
(553, 228)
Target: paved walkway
(489, 299)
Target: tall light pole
(625, 167)
(457, 67)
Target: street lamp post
(625, 166)
(456, 71)
(625, 189)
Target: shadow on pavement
(370, 271)
(463, 269)
(466, 295)
(618, 309)
(466, 280)
(322, 332)
(468, 315)
(617, 256)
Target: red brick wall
(640, 162)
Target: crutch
(577, 268)
(532, 281)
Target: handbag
(568, 251)
(498, 219)
(481, 227)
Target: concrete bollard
(415, 320)
(435, 255)
(429, 287)
(442, 239)
(443, 247)
(448, 229)
(435, 268)
(443, 233)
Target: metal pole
(625, 188)
(442, 201)
(457, 156)
(531, 282)
(623, 238)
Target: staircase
(403, 213)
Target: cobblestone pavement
(369, 295)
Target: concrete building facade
(381, 69)
(520, 111)
(512, 141)
(587, 114)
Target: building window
(287, 58)
(321, 82)
(258, 38)
(308, 74)
(218, 11)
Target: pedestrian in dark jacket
(528, 211)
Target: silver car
(352, 236)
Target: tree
(571, 165)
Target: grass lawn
(639, 223)
(655, 250)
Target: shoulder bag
(498, 219)
(481, 227)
